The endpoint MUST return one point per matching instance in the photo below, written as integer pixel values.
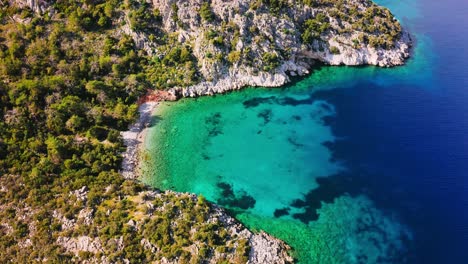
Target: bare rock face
(264, 249)
(232, 82)
(38, 6)
(82, 243)
(366, 55)
(267, 249)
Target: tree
(74, 123)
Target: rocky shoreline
(249, 45)
(263, 247)
(300, 65)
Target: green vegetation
(376, 24)
(379, 23)
(175, 14)
(274, 6)
(99, 15)
(142, 17)
(270, 61)
(314, 27)
(70, 83)
(234, 57)
(65, 94)
(205, 12)
(177, 67)
(177, 222)
(214, 37)
(334, 50)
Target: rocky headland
(263, 43)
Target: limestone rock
(82, 243)
(38, 6)
(267, 249)
(254, 32)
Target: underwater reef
(353, 230)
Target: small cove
(267, 155)
(264, 154)
(343, 165)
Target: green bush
(270, 61)
(334, 50)
(144, 18)
(314, 27)
(174, 14)
(205, 12)
(234, 56)
(275, 6)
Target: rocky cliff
(262, 43)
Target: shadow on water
(329, 188)
(241, 200)
(257, 101)
(214, 125)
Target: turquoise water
(348, 165)
(259, 152)
(254, 148)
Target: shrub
(175, 11)
(205, 12)
(234, 56)
(275, 6)
(334, 50)
(314, 27)
(270, 61)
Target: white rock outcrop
(82, 243)
(38, 6)
(267, 249)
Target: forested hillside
(70, 80)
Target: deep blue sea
(350, 164)
(408, 142)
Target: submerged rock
(353, 230)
